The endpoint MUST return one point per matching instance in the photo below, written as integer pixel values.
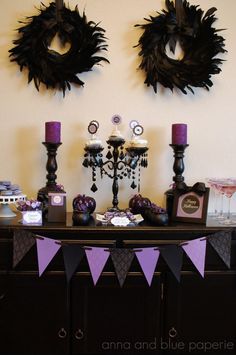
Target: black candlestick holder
(178, 168)
(119, 164)
(51, 167)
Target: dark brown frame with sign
(179, 215)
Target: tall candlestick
(179, 134)
(53, 132)
(178, 168)
(51, 167)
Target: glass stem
(221, 206)
(215, 202)
(228, 213)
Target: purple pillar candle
(179, 133)
(53, 132)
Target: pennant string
(139, 250)
(183, 244)
(37, 237)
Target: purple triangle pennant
(46, 250)
(196, 251)
(148, 258)
(97, 258)
(22, 243)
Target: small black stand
(178, 168)
(51, 167)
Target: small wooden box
(56, 207)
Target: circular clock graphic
(138, 130)
(116, 119)
(92, 128)
(133, 123)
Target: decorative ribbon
(180, 26)
(199, 188)
(59, 7)
(179, 12)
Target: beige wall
(110, 89)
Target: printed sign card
(190, 206)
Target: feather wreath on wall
(197, 38)
(47, 66)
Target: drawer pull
(172, 332)
(79, 334)
(62, 333)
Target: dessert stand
(5, 201)
(120, 162)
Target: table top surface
(93, 226)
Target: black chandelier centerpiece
(120, 162)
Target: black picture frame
(190, 207)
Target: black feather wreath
(47, 66)
(198, 40)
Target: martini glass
(213, 190)
(228, 188)
(218, 197)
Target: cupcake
(138, 142)
(94, 143)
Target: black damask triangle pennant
(22, 243)
(122, 259)
(221, 242)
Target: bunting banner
(122, 258)
(22, 243)
(173, 256)
(148, 258)
(221, 242)
(72, 254)
(46, 250)
(97, 258)
(196, 251)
